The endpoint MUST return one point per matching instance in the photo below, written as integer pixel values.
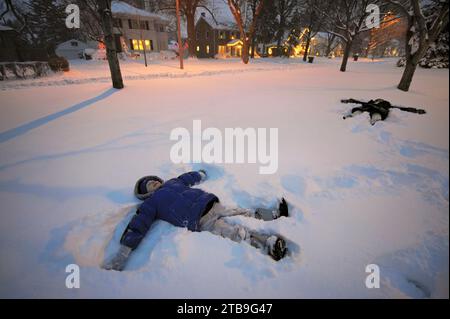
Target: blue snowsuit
(174, 202)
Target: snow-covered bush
(157, 56)
(23, 70)
(88, 53)
(437, 54)
(58, 63)
(99, 54)
(401, 62)
(168, 55)
(153, 56)
(173, 45)
(222, 56)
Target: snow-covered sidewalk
(95, 71)
(359, 194)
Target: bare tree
(46, 20)
(312, 13)
(246, 35)
(188, 8)
(423, 30)
(286, 10)
(91, 20)
(254, 5)
(348, 18)
(21, 18)
(96, 18)
(266, 25)
(332, 43)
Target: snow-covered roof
(120, 7)
(5, 28)
(216, 24)
(234, 42)
(68, 45)
(223, 18)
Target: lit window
(135, 44)
(198, 48)
(207, 49)
(139, 45)
(222, 49)
(147, 45)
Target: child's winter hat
(140, 189)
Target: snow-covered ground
(71, 150)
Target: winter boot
(276, 247)
(271, 214)
(283, 208)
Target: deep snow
(71, 150)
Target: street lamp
(180, 43)
(142, 40)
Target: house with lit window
(136, 29)
(72, 49)
(215, 37)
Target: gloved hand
(203, 174)
(119, 260)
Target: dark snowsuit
(378, 107)
(175, 202)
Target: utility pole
(180, 41)
(140, 34)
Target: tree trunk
(407, 77)
(245, 49)
(348, 47)
(412, 61)
(111, 52)
(279, 44)
(253, 47)
(330, 42)
(308, 43)
(328, 50)
(280, 34)
(192, 37)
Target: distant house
(72, 49)
(319, 45)
(135, 28)
(216, 37)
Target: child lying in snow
(176, 202)
(378, 109)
